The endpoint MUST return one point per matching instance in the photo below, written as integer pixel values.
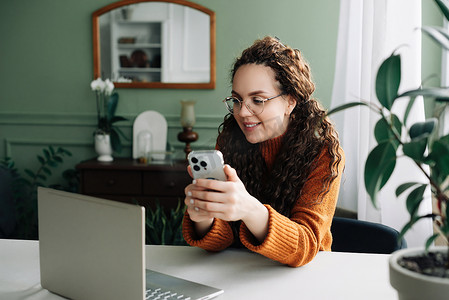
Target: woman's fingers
(189, 170)
(208, 195)
(231, 173)
(206, 206)
(207, 198)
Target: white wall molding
(89, 120)
(10, 142)
(18, 131)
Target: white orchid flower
(109, 87)
(98, 85)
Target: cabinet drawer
(165, 183)
(112, 182)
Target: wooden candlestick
(187, 136)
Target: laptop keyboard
(161, 294)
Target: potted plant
(107, 135)
(428, 148)
(18, 193)
(164, 227)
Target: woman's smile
(251, 125)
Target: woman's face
(252, 81)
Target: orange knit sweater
(292, 241)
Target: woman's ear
(291, 103)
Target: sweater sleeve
(296, 240)
(219, 236)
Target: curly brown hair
(307, 135)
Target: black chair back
(351, 235)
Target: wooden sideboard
(127, 180)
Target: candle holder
(188, 136)
(187, 121)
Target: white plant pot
(415, 286)
(103, 147)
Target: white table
(242, 274)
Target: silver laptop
(93, 248)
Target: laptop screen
(91, 248)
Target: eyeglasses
(255, 105)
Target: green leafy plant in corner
(421, 142)
(162, 228)
(24, 189)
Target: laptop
(93, 248)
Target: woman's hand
(202, 222)
(208, 199)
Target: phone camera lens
(196, 168)
(203, 163)
(194, 160)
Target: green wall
(46, 69)
(431, 51)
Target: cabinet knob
(171, 184)
(110, 182)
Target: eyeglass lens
(255, 105)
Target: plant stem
(98, 108)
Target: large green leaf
(116, 144)
(112, 106)
(444, 140)
(423, 128)
(439, 153)
(65, 151)
(388, 80)
(117, 119)
(379, 166)
(30, 173)
(443, 99)
(46, 153)
(408, 226)
(403, 187)
(41, 159)
(383, 129)
(120, 133)
(409, 108)
(430, 240)
(345, 106)
(442, 94)
(444, 7)
(411, 222)
(414, 199)
(416, 148)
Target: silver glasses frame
(231, 110)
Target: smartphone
(207, 164)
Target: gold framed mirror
(155, 44)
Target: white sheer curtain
(369, 31)
(444, 126)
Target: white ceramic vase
(415, 286)
(103, 147)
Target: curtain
(444, 121)
(369, 31)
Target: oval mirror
(155, 44)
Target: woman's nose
(245, 111)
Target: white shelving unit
(141, 39)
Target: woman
(284, 164)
